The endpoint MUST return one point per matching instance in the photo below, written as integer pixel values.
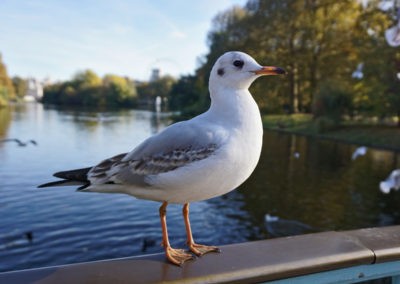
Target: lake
(301, 184)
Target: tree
(319, 43)
(20, 87)
(189, 96)
(378, 92)
(86, 79)
(148, 91)
(87, 89)
(119, 90)
(6, 87)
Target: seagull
(19, 142)
(393, 181)
(278, 227)
(358, 73)
(360, 151)
(201, 158)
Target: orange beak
(270, 70)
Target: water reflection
(5, 120)
(301, 180)
(323, 188)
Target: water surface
(310, 183)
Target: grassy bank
(380, 136)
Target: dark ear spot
(221, 71)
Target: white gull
(360, 151)
(392, 181)
(204, 157)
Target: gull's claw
(200, 250)
(178, 256)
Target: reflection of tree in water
(322, 187)
(5, 121)
(89, 118)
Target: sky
(58, 38)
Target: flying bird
(201, 158)
(19, 142)
(392, 181)
(360, 151)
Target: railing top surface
(246, 262)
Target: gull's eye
(238, 63)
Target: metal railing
(328, 257)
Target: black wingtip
(53, 183)
(82, 188)
(77, 175)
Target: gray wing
(178, 145)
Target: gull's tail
(74, 177)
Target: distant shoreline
(332, 137)
(386, 137)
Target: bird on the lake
(278, 227)
(201, 158)
(19, 142)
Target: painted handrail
(352, 256)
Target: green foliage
(286, 121)
(320, 43)
(3, 96)
(20, 87)
(188, 95)
(333, 100)
(148, 91)
(87, 89)
(119, 90)
(86, 79)
(7, 92)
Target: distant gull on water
(278, 227)
(201, 158)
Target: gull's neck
(233, 105)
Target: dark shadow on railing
(239, 263)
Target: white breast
(230, 166)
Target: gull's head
(237, 70)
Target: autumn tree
(148, 91)
(320, 43)
(88, 89)
(20, 87)
(6, 87)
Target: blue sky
(50, 38)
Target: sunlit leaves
(87, 89)
(6, 87)
(320, 43)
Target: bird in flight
(19, 142)
(201, 158)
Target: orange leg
(197, 249)
(176, 256)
